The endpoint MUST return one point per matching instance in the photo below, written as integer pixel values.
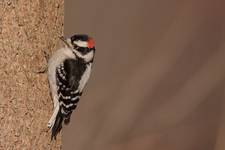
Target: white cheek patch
(87, 57)
(81, 43)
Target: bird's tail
(57, 125)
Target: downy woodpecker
(69, 69)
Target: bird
(69, 70)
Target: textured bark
(27, 29)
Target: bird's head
(82, 45)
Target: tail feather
(67, 118)
(57, 125)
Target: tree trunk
(28, 29)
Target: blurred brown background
(158, 80)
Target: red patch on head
(91, 43)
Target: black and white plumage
(69, 69)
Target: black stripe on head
(79, 37)
(83, 50)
